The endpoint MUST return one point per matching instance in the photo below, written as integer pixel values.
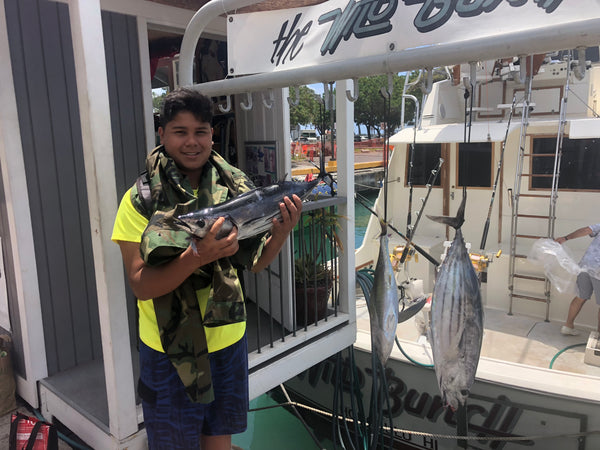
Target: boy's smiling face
(189, 142)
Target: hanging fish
(456, 318)
(383, 306)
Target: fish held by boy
(383, 304)
(252, 212)
(456, 318)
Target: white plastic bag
(559, 265)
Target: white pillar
(345, 182)
(92, 88)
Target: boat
(534, 386)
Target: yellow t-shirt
(129, 226)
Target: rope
(443, 436)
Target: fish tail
(456, 221)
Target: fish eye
(201, 223)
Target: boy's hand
(290, 214)
(209, 248)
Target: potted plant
(313, 275)
(314, 281)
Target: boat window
(475, 164)
(425, 159)
(579, 165)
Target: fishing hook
(387, 92)
(326, 96)
(268, 104)
(426, 88)
(248, 105)
(297, 101)
(353, 96)
(579, 68)
(227, 107)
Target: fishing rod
(422, 251)
(430, 183)
(486, 227)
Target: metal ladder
(551, 217)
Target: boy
(193, 353)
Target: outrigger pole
(422, 251)
(486, 227)
(430, 183)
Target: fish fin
(194, 248)
(456, 221)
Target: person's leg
(574, 308)
(228, 413)
(216, 442)
(171, 419)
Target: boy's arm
(290, 214)
(153, 281)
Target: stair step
(529, 277)
(539, 154)
(535, 195)
(533, 216)
(529, 297)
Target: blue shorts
(172, 420)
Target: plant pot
(306, 316)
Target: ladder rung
(530, 236)
(538, 154)
(529, 297)
(520, 256)
(540, 175)
(533, 216)
(535, 195)
(529, 277)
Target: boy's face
(189, 142)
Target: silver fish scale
(456, 324)
(383, 304)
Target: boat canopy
(480, 132)
(584, 128)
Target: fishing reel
(396, 256)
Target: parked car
(308, 136)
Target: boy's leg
(216, 442)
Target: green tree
(369, 107)
(157, 100)
(306, 112)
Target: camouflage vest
(178, 315)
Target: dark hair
(184, 99)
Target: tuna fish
(456, 318)
(383, 304)
(251, 212)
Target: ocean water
(362, 216)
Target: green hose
(564, 350)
